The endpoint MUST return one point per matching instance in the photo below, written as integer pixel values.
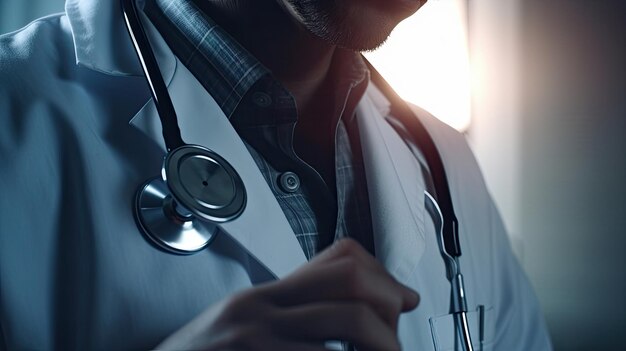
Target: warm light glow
(426, 61)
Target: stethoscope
(198, 189)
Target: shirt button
(261, 99)
(289, 182)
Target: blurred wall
(550, 132)
(574, 167)
(494, 43)
(15, 14)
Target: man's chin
(359, 25)
(357, 36)
(362, 41)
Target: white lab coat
(79, 134)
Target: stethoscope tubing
(158, 88)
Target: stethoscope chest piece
(204, 183)
(198, 190)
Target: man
(277, 88)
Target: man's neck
(299, 60)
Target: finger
(345, 279)
(351, 248)
(347, 321)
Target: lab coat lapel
(395, 186)
(262, 230)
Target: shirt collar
(353, 77)
(224, 67)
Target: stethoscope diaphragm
(204, 183)
(198, 189)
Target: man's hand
(341, 294)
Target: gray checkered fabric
(225, 69)
(264, 114)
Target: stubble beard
(338, 24)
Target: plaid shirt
(264, 114)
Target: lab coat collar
(395, 187)
(102, 43)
